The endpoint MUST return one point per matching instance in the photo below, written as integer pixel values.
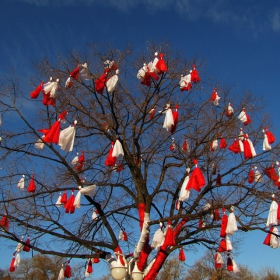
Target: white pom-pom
(75, 122)
(57, 80)
(117, 71)
(156, 53)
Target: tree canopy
(141, 144)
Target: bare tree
(130, 169)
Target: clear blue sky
(239, 39)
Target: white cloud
(275, 20)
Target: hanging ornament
(218, 260)
(52, 135)
(249, 150)
(67, 271)
(218, 179)
(21, 183)
(112, 82)
(244, 117)
(88, 190)
(194, 75)
(27, 246)
(229, 111)
(229, 263)
(80, 162)
(251, 176)
(67, 138)
(182, 256)
(123, 235)
(115, 150)
(175, 116)
(64, 199)
(101, 81)
(222, 246)
(231, 223)
(169, 236)
(31, 186)
(223, 143)
(215, 97)
(271, 173)
(49, 92)
(217, 216)
(152, 113)
(269, 139)
(228, 243)
(185, 146)
(69, 205)
(158, 238)
(214, 145)
(185, 82)
(172, 145)
(258, 175)
(12, 264)
(197, 180)
(272, 215)
(84, 72)
(184, 193)
(74, 75)
(161, 66)
(4, 223)
(61, 273)
(235, 147)
(35, 93)
(168, 120)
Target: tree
(129, 195)
(172, 269)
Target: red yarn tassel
(182, 256)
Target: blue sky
(239, 41)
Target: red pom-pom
(182, 256)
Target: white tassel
(61, 274)
(168, 121)
(77, 201)
(231, 225)
(118, 149)
(274, 240)
(235, 267)
(75, 160)
(17, 260)
(228, 243)
(21, 183)
(158, 239)
(58, 202)
(272, 215)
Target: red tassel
(34, 94)
(234, 147)
(224, 225)
(89, 266)
(182, 256)
(267, 239)
(161, 65)
(152, 113)
(5, 223)
(69, 205)
(222, 246)
(196, 180)
(67, 271)
(270, 137)
(80, 162)
(223, 143)
(219, 179)
(96, 260)
(271, 173)
(175, 115)
(26, 248)
(194, 75)
(169, 237)
(64, 198)
(12, 264)
(32, 186)
(217, 216)
(229, 264)
(251, 176)
(110, 160)
(125, 236)
(100, 82)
